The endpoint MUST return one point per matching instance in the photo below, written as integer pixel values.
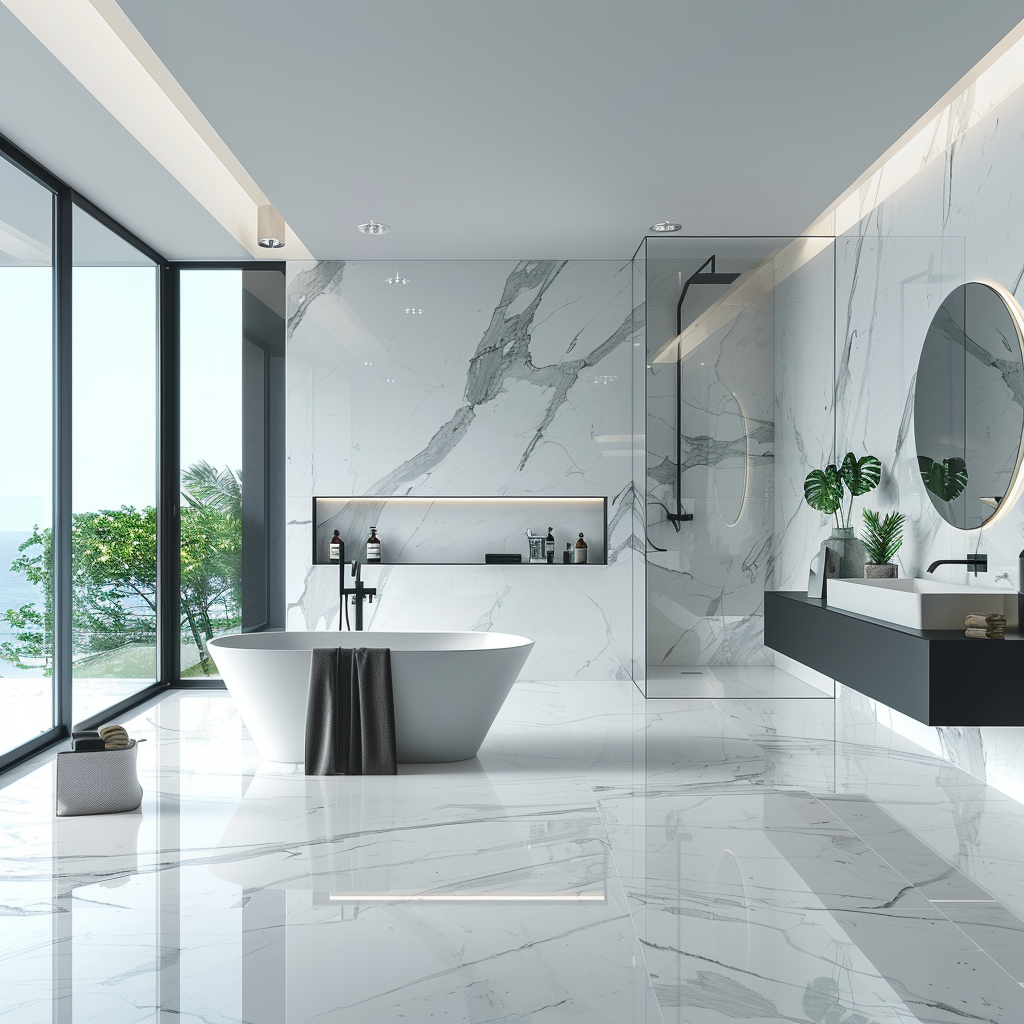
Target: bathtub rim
(244, 641)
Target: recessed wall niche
(434, 530)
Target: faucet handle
(977, 562)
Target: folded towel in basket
(350, 713)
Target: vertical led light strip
(82, 39)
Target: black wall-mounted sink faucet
(974, 563)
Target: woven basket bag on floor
(98, 781)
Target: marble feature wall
(707, 579)
(804, 414)
(514, 380)
(960, 218)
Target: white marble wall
(516, 379)
(960, 218)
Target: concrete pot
(886, 571)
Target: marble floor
(604, 859)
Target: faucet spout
(975, 563)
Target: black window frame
(168, 391)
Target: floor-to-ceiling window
(26, 458)
(232, 456)
(211, 462)
(114, 384)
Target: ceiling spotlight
(666, 225)
(398, 280)
(371, 227)
(414, 311)
(605, 379)
(269, 228)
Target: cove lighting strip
(993, 79)
(469, 897)
(97, 43)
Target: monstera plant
(826, 489)
(947, 479)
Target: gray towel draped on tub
(350, 713)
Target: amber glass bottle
(580, 553)
(373, 546)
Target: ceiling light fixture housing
(398, 279)
(666, 225)
(371, 227)
(269, 228)
(414, 311)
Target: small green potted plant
(826, 491)
(882, 538)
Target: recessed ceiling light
(414, 311)
(371, 227)
(269, 228)
(397, 279)
(662, 225)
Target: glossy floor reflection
(604, 859)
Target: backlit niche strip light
(995, 77)
(539, 499)
(97, 43)
(468, 897)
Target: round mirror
(969, 404)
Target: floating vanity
(937, 676)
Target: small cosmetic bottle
(580, 553)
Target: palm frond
(882, 537)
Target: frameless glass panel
(114, 325)
(211, 462)
(26, 458)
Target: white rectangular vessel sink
(919, 604)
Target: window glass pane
(114, 325)
(211, 462)
(26, 458)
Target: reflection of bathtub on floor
(448, 686)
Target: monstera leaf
(860, 475)
(947, 479)
(823, 489)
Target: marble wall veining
(959, 218)
(516, 379)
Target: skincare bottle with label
(567, 555)
(549, 546)
(580, 554)
(373, 546)
(336, 547)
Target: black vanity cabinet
(938, 676)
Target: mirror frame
(1013, 492)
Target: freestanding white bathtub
(448, 686)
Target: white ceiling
(510, 128)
